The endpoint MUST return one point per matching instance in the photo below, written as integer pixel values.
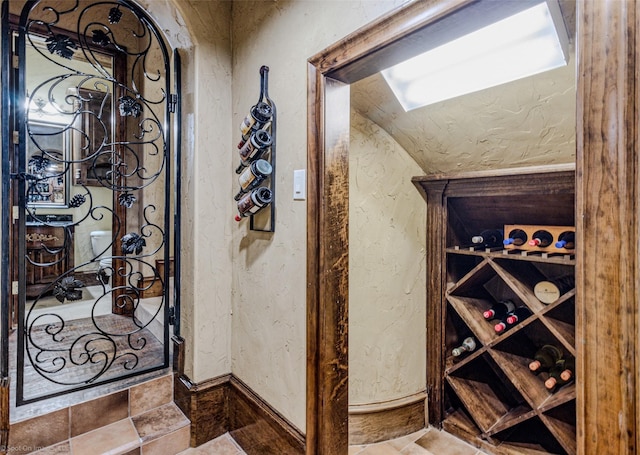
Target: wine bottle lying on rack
(548, 291)
(516, 237)
(541, 238)
(560, 374)
(468, 345)
(251, 203)
(253, 176)
(499, 310)
(545, 358)
(253, 149)
(258, 117)
(488, 238)
(517, 315)
(566, 240)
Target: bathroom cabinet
(48, 256)
(489, 397)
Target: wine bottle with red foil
(251, 203)
(516, 316)
(545, 358)
(488, 238)
(499, 310)
(253, 176)
(541, 239)
(468, 345)
(516, 237)
(566, 240)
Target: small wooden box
(555, 232)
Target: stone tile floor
(428, 441)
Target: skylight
(530, 42)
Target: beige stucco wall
(201, 30)
(268, 347)
(387, 280)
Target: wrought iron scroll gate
(89, 176)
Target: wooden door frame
(606, 212)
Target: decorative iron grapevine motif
(135, 157)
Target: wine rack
(489, 396)
(256, 198)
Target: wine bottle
(548, 291)
(560, 374)
(468, 345)
(253, 202)
(566, 240)
(499, 310)
(517, 315)
(253, 148)
(253, 176)
(541, 239)
(258, 117)
(545, 358)
(516, 237)
(488, 238)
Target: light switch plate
(300, 185)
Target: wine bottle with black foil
(545, 358)
(253, 148)
(566, 240)
(258, 117)
(560, 374)
(516, 316)
(499, 310)
(541, 239)
(468, 345)
(488, 238)
(516, 237)
(251, 203)
(253, 176)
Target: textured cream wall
(387, 280)
(269, 270)
(201, 30)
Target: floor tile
(98, 413)
(169, 444)
(222, 445)
(441, 442)
(415, 449)
(381, 448)
(401, 443)
(160, 421)
(116, 438)
(151, 394)
(59, 449)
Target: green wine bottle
(545, 358)
(560, 374)
(468, 345)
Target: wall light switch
(299, 185)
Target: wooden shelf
(493, 400)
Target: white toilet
(101, 246)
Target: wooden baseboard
(387, 420)
(226, 404)
(205, 404)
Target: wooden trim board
(391, 419)
(226, 404)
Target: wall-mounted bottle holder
(257, 154)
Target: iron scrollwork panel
(96, 176)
